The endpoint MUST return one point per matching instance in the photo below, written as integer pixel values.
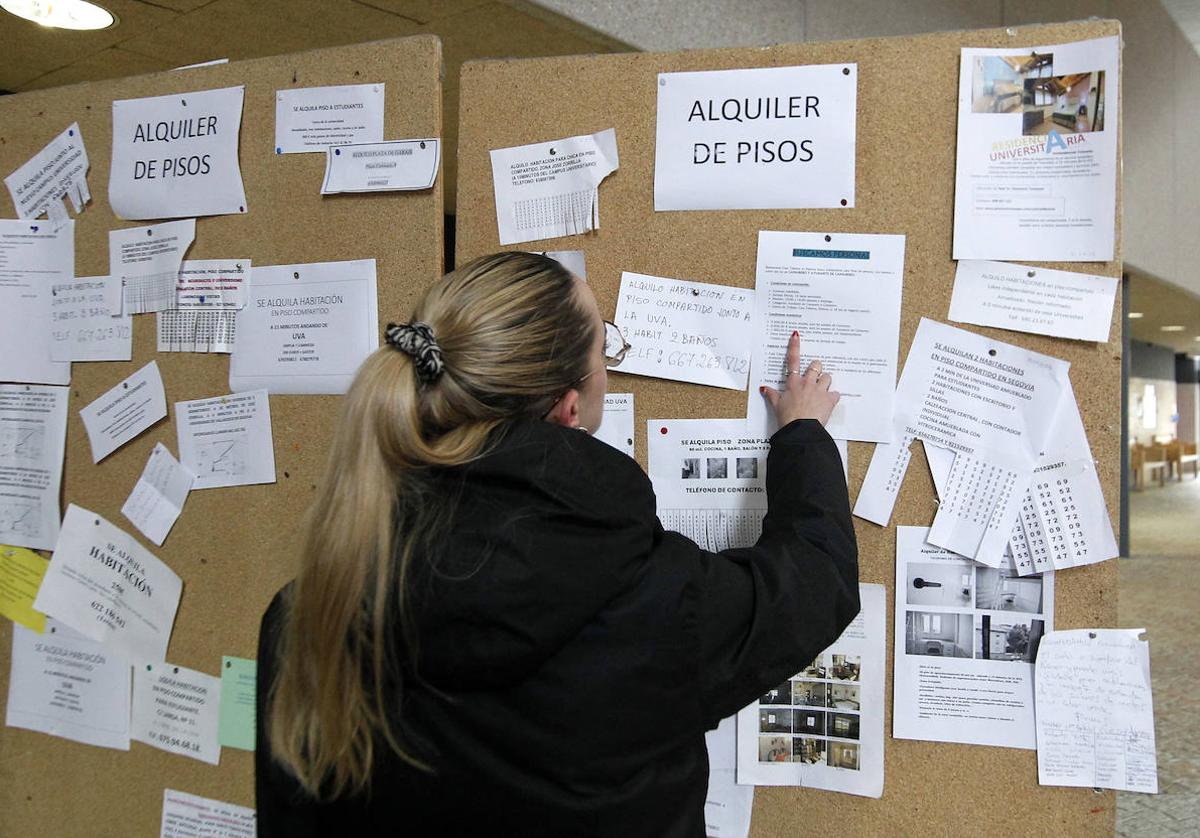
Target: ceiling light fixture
(1171, 328)
(1134, 315)
(61, 14)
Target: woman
(490, 632)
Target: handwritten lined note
(1095, 713)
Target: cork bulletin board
(907, 115)
(233, 548)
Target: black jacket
(583, 651)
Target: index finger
(793, 352)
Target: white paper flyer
(33, 430)
(103, 583)
(311, 119)
(176, 156)
(1036, 300)
(226, 440)
(1036, 177)
(823, 727)
(176, 709)
(617, 426)
(841, 291)
(305, 328)
(710, 480)
(761, 138)
(58, 171)
(685, 331)
(965, 640)
(551, 189)
(83, 327)
(1095, 711)
(34, 259)
(64, 684)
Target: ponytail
(512, 336)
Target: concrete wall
(1149, 360)
(1161, 85)
(1187, 397)
(1187, 402)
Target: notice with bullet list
(841, 292)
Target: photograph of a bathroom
(843, 755)
(843, 697)
(774, 748)
(940, 635)
(774, 720)
(808, 693)
(845, 667)
(1001, 589)
(810, 751)
(844, 725)
(1007, 638)
(943, 583)
(809, 721)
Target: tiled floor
(1160, 590)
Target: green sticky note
(238, 679)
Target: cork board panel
(907, 95)
(504, 30)
(232, 547)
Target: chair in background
(1148, 460)
(1185, 455)
(1157, 465)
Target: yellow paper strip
(21, 573)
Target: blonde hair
(514, 336)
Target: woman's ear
(566, 410)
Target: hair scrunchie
(416, 340)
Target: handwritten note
(1095, 713)
(82, 326)
(157, 498)
(686, 331)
